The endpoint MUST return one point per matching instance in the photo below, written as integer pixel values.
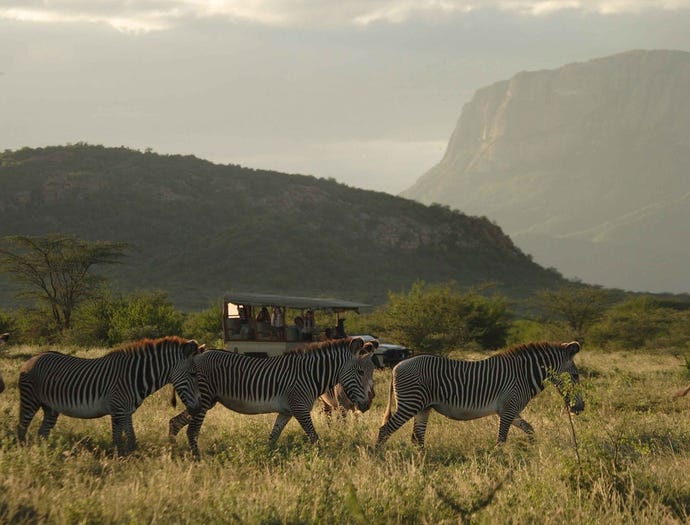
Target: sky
(366, 92)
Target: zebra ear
(191, 347)
(356, 345)
(572, 347)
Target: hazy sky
(365, 91)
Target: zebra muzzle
(576, 407)
(364, 406)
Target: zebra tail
(173, 399)
(682, 392)
(387, 413)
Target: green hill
(198, 229)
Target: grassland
(633, 442)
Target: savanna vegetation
(624, 460)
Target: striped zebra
(502, 384)
(3, 339)
(114, 384)
(288, 384)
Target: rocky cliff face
(587, 167)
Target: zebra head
(183, 376)
(357, 373)
(570, 389)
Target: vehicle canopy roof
(290, 301)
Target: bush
(7, 322)
(526, 330)
(92, 321)
(144, 314)
(205, 326)
(640, 322)
(34, 326)
(437, 319)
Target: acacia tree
(579, 306)
(57, 270)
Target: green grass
(633, 444)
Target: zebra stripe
(115, 384)
(287, 384)
(502, 384)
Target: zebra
(3, 339)
(114, 384)
(502, 384)
(288, 384)
(336, 399)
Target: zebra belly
(463, 413)
(252, 406)
(98, 408)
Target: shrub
(92, 321)
(7, 322)
(437, 318)
(205, 326)
(34, 326)
(144, 314)
(639, 322)
(525, 330)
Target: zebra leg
(122, 424)
(419, 428)
(278, 427)
(507, 418)
(49, 419)
(27, 411)
(524, 426)
(407, 408)
(131, 444)
(394, 423)
(177, 423)
(304, 418)
(193, 430)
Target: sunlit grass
(633, 441)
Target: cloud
(159, 15)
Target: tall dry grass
(633, 444)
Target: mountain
(586, 167)
(198, 229)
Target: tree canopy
(57, 270)
(578, 305)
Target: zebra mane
(138, 346)
(529, 348)
(309, 348)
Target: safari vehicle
(266, 325)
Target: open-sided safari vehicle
(265, 325)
